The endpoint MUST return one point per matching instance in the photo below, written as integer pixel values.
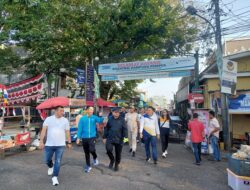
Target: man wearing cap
(131, 119)
(114, 133)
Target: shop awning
(25, 82)
(103, 103)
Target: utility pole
(219, 56)
(196, 56)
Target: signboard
(167, 65)
(182, 94)
(97, 86)
(90, 83)
(77, 102)
(80, 76)
(197, 90)
(146, 76)
(197, 98)
(240, 104)
(229, 77)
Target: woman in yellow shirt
(164, 131)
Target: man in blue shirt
(87, 131)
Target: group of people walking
(144, 126)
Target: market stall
(72, 108)
(15, 131)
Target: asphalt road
(26, 171)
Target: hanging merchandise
(3, 95)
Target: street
(26, 171)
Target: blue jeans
(215, 146)
(148, 139)
(197, 152)
(49, 152)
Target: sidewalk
(26, 171)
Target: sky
(167, 87)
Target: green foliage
(67, 34)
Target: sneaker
(55, 181)
(197, 163)
(148, 159)
(50, 171)
(111, 165)
(133, 153)
(88, 169)
(164, 155)
(155, 162)
(166, 152)
(96, 162)
(116, 168)
(130, 150)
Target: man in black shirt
(114, 133)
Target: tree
(69, 34)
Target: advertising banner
(90, 83)
(240, 104)
(229, 77)
(161, 65)
(146, 76)
(80, 76)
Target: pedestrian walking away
(87, 131)
(132, 122)
(56, 128)
(197, 135)
(164, 131)
(114, 133)
(149, 131)
(214, 132)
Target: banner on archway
(152, 66)
(146, 76)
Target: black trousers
(164, 138)
(89, 148)
(118, 152)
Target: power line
(232, 12)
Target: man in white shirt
(149, 131)
(132, 122)
(214, 130)
(57, 128)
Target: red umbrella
(103, 103)
(53, 102)
(2, 86)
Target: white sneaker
(96, 162)
(164, 155)
(55, 181)
(166, 152)
(50, 171)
